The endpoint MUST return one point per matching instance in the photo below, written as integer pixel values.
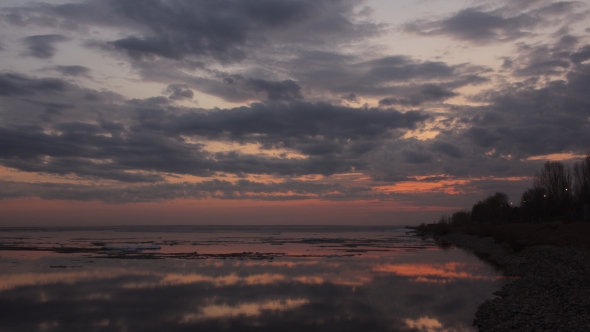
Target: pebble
(547, 289)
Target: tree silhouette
(494, 208)
(532, 204)
(556, 180)
(582, 180)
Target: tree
(494, 208)
(556, 180)
(532, 204)
(582, 180)
(461, 218)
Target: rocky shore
(549, 287)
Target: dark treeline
(558, 193)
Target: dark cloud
(507, 63)
(42, 46)
(322, 73)
(161, 37)
(299, 39)
(14, 84)
(217, 29)
(525, 121)
(283, 91)
(488, 118)
(567, 42)
(137, 140)
(218, 189)
(404, 80)
(550, 67)
(543, 60)
(416, 157)
(427, 93)
(402, 68)
(476, 26)
(434, 92)
(581, 55)
(482, 137)
(179, 92)
(448, 149)
(275, 122)
(507, 23)
(396, 101)
(350, 97)
(74, 70)
(224, 31)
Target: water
(182, 278)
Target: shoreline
(549, 290)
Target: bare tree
(532, 204)
(556, 180)
(582, 180)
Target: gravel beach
(549, 290)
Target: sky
(118, 112)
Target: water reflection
(439, 273)
(400, 290)
(242, 309)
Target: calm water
(236, 279)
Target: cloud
(538, 60)
(286, 49)
(218, 189)
(428, 92)
(448, 149)
(404, 80)
(217, 29)
(329, 74)
(581, 55)
(41, 46)
(140, 140)
(164, 39)
(15, 84)
(350, 97)
(522, 120)
(279, 122)
(416, 157)
(403, 68)
(285, 90)
(225, 31)
(80, 71)
(507, 23)
(179, 92)
(293, 65)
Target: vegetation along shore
(542, 247)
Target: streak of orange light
(411, 187)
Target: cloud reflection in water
(404, 290)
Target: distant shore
(548, 284)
